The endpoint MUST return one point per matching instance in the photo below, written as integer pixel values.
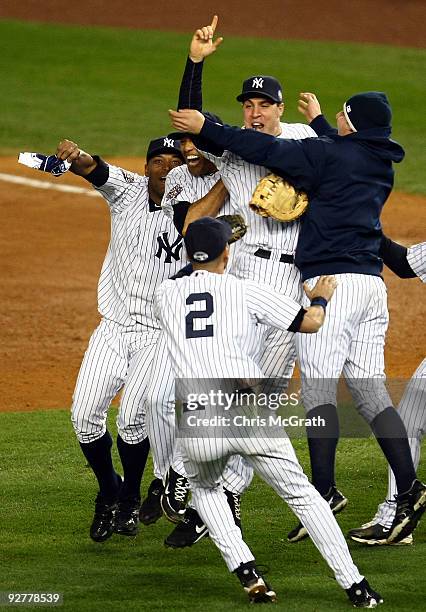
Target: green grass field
(109, 89)
(47, 505)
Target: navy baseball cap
(207, 115)
(165, 144)
(261, 86)
(370, 109)
(206, 238)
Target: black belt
(284, 257)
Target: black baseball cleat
(103, 523)
(256, 587)
(409, 509)
(175, 496)
(187, 532)
(150, 510)
(375, 534)
(127, 520)
(363, 596)
(234, 501)
(337, 502)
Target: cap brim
(165, 150)
(256, 94)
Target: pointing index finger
(214, 22)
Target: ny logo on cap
(169, 142)
(257, 82)
(348, 108)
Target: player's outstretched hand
(67, 150)
(81, 163)
(202, 43)
(324, 287)
(187, 120)
(309, 106)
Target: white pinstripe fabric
(241, 178)
(274, 460)
(412, 410)
(412, 407)
(229, 351)
(351, 342)
(233, 335)
(121, 348)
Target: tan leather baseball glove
(274, 197)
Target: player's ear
(146, 169)
(280, 108)
(226, 256)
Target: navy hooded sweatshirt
(347, 178)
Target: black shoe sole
(151, 519)
(127, 532)
(102, 538)
(408, 525)
(170, 514)
(186, 544)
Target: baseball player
(406, 263)
(266, 252)
(348, 176)
(191, 191)
(144, 250)
(210, 323)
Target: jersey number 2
(207, 331)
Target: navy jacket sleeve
(190, 92)
(191, 96)
(321, 126)
(394, 257)
(300, 161)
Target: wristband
(319, 301)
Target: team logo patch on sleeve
(174, 192)
(129, 177)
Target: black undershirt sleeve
(190, 92)
(297, 321)
(180, 210)
(100, 174)
(394, 256)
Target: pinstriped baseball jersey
(416, 257)
(240, 178)
(197, 312)
(182, 186)
(144, 250)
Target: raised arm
(310, 108)
(207, 206)
(202, 45)
(299, 161)
(81, 163)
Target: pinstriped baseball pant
(274, 460)
(114, 358)
(161, 426)
(351, 342)
(412, 410)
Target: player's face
(263, 115)
(197, 164)
(157, 169)
(343, 128)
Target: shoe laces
(181, 489)
(237, 505)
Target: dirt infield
(51, 252)
(395, 22)
(53, 243)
